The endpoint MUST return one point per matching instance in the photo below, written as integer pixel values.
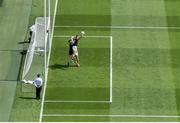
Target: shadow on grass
(30, 98)
(23, 42)
(1, 2)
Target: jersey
(73, 42)
(38, 82)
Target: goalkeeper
(73, 50)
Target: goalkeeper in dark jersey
(73, 50)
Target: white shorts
(75, 50)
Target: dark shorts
(71, 51)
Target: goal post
(38, 45)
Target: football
(82, 32)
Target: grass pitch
(13, 23)
(1, 2)
(75, 82)
(145, 63)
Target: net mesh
(37, 45)
(29, 56)
(40, 36)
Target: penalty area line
(73, 101)
(121, 27)
(66, 36)
(123, 116)
(111, 69)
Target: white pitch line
(66, 36)
(111, 51)
(73, 101)
(45, 84)
(123, 116)
(121, 27)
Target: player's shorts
(71, 51)
(75, 50)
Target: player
(73, 50)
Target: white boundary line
(45, 84)
(73, 101)
(123, 116)
(111, 52)
(66, 36)
(121, 27)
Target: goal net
(38, 46)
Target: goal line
(68, 36)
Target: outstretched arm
(28, 81)
(80, 35)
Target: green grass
(13, 23)
(25, 107)
(89, 12)
(145, 61)
(77, 83)
(1, 2)
(145, 76)
(7, 90)
(90, 82)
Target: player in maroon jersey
(73, 48)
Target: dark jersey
(75, 43)
(70, 49)
(72, 42)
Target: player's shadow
(23, 42)
(58, 66)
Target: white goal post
(39, 44)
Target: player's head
(71, 40)
(38, 75)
